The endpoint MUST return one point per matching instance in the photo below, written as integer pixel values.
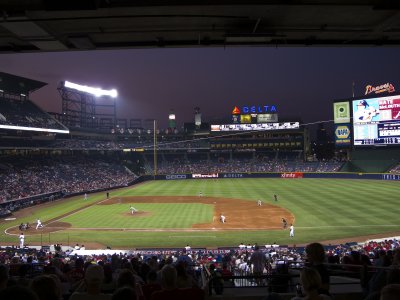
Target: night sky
(300, 82)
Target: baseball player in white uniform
(133, 210)
(39, 224)
(222, 218)
(291, 230)
(21, 240)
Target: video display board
(376, 121)
(251, 127)
(267, 118)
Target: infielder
(39, 224)
(291, 231)
(222, 218)
(133, 210)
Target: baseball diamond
(316, 207)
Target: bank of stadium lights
(98, 92)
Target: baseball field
(172, 214)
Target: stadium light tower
(87, 107)
(98, 92)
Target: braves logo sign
(387, 87)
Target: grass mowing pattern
(324, 209)
(163, 215)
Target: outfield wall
(284, 175)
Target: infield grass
(324, 209)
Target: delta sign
(255, 109)
(254, 114)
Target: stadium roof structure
(18, 85)
(65, 25)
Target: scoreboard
(376, 121)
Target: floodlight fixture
(98, 92)
(33, 129)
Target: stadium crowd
(245, 166)
(69, 174)
(25, 113)
(395, 169)
(162, 274)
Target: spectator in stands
(391, 292)
(216, 281)
(379, 279)
(109, 284)
(258, 260)
(311, 284)
(184, 280)
(94, 277)
(168, 283)
(280, 278)
(392, 277)
(315, 256)
(151, 285)
(128, 278)
(46, 287)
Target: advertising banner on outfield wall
(390, 176)
(213, 175)
(176, 176)
(292, 175)
(344, 175)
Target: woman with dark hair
(315, 253)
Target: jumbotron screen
(256, 127)
(376, 121)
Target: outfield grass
(324, 209)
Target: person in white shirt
(21, 240)
(291, 230)
(39, 224)
(222, 218)
(259, 202)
